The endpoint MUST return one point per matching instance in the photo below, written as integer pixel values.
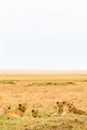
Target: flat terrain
(41, 90)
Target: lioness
(73, 110)
(61, 108)
(34, 113)
(17, 112)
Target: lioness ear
(9, 107)
(20, 105)
(64, 102)
(57, 103)
(32, 110)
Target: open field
(41, 90)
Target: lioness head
(34, 113)
(22, 107)
(60, 107)
(70, 107)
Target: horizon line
(41, 71)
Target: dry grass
(41, 91)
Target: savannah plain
(41, 90)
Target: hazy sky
(43, 34)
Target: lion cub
(17, 112)
(73, 110)
(34, 113)
(61, 108)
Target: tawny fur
(61, 108)
(73, 110)
(34, 113)
(17, 112)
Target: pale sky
(43, 34)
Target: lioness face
(70, 107)
(34, 113)
(60, 107)
(22, 107)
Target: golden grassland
(41, 90)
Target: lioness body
(78, 111)
(73, 110)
